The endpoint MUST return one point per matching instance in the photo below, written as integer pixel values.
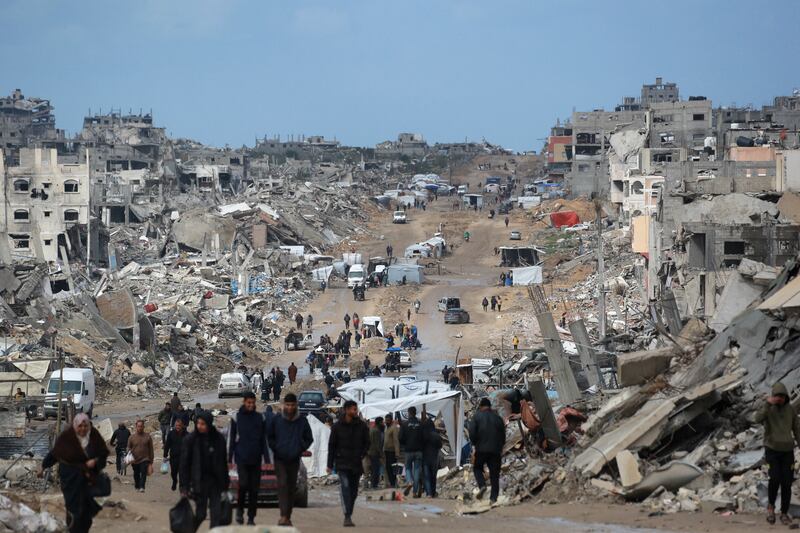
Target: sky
(362, 71)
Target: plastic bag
(165, 468)
(181, 517)
(129, 458)
(226, 510)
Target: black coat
(487, 432)
(348, 445)
(174, 444)
(411, 435)
(75, 477)
(119, 439)
(248, 438)
(204, 465)
(287, 438)
(433, 443)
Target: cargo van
(356, 276)
(78, 387)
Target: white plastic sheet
(447, 404)
(380, 389)
(527, 275)
(320, 274)
(317, 464)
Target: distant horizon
(228, 72)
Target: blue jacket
(248, 438)
(287, 438)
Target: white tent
(527, 275)
(448, 404)
(323, 273)
(380, 389)
(317, 464)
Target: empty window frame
(21, 215)
(71, 186)
(734, 248)
(698, 116)
(22, 185)
(71, 215)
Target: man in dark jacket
(119, 440)
(487, 433)
(413, 441)
(165, 420)
(781, 432)
(430, 455)
(180, 414)
(375, 451)
(277, 384)
(248, 444)
(289, 435)
(172, 449)
(204, 469)
(175, 402)
(347, 447)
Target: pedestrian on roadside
(375, 451)
(412, 439)
(180, 414)
(389, 251)
(408, 315)
(140, 444)
(346, 321)
(391, 449)
(358, 339)
(172, 450)
(487, 433)
(292, 372)
(289, 435)
(515, 342)
(781, 432)
(81, 454)
(356, 321)
(204, 470)
(499, 304)
(485, 304)
(347, 447)
(494, 302)
(309, 322)
(430, 455)
(298, 319)
(119, 440)
(165, 420)
(506, 221)
(502, 278)
(175, 402)
(248, 445)
(277, 385)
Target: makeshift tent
(320, 274)
(447, 404)
(418, 250)
(527, 202)
(519, 256)
(30, 376)
(379, 389)
(564, 218)
(374, 323)
(527, 276)
(317, 464)
(412, 273)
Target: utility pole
(88, 225)
(60, 381)
(601, 275)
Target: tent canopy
(447, 404)
(379, 389)
(527, 276)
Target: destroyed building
(407, 144)
(24, 120)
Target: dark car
(268, 489)
(456, 316)
(311, 403)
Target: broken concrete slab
(195, 228)
(628, 466)
(118, 308)
(636, 368)
(738, 294)
(671, 476)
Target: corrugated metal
(36, 439)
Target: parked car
(311, 402)
(268, 488)
(296, 341)
(456, 316)
(233, 384)
(78, 387)
(448, 303)
(515, 235)
(399, 217)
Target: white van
(356, 276)
(399, 217)
(78, 387)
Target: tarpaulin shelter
(379, 389)
(564, 218)
(317, 464)
(520, 256)
(527, 275)
(322, 274)
(412, 273)
(447, 404)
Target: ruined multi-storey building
(24, 120)
(407, 144)
(42, 200)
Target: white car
(577, 227)
(515, 236)
(233, 384)
(399, 217)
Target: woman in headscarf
(81, 454)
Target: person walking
(172, 450)
(493, 303)
(389, 251)
(309, 322)
(499, 304)
(356, 321)
(430, 455)
(119, 440)
(502, 278)
(375, 451)
(347, 447)
(81, 455)
(346, 321)
(195, 413)
(277, 385)
(485, 304)
(204, 470)
(292, 372)
(781, 433)
(412, 439)
(408, 315)
(289, 435)
(506, 221)
(175, 402)
(248, 445)
(391, 449)
(165, 420)
(515, 342)
(487, 433)
(180, 414)
(298, 320)
(140, 444)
